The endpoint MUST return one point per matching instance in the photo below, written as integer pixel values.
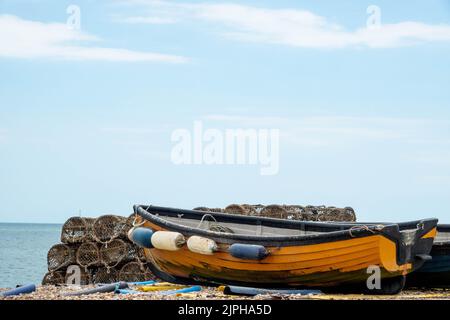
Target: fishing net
(274, 211)
(53, 278)
(109, 227)
(60, 256)
(115, 252)
(106, 275)
(88, 254)
(134, 272)
(78, 276)
(77, 229)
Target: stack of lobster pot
(291, 212)
(96, 251)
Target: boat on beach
(436, 272)
(210, 248)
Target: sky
(92, 91)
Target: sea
(23, 252)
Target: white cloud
(338, 130)
(144, 20)
(293, 27)
(21, 38)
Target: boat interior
(248, 225)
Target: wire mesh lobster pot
(310, 213)
(76, 230)
(72, 276)
(243, 209)
(294, 212)
(136, 252)
(60, 256)
(106, 275)
(109, 227)
(337, 214)
(88, 254)
(53, 278)
(117, 251)
(274, 211)
(134, 272)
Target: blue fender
(248, 251)
(141, 237)
(247, 291)
(19, 290)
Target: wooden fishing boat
(436, 272)
(209, 248)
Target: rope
(363, 227)
(135, 224)
(203, 217)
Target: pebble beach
(209, 293)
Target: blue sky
(86, 115)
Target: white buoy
(168, 240)
(201, 245)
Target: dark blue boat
(436, 272)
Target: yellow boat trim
(431, 234)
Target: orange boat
(210, 248)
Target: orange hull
(308, 265)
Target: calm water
(23, 251)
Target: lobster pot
(109, 227)
(85, 276)
(310, 213)
(135, 272)
(136, 252)
(294, 212)
(53, 278)
(106, 275)
(88, 254)
(255, 208)
(76, 230)
(337, 214)
(274, 211)
(243, 209)
(115, 252)
(60, 256)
